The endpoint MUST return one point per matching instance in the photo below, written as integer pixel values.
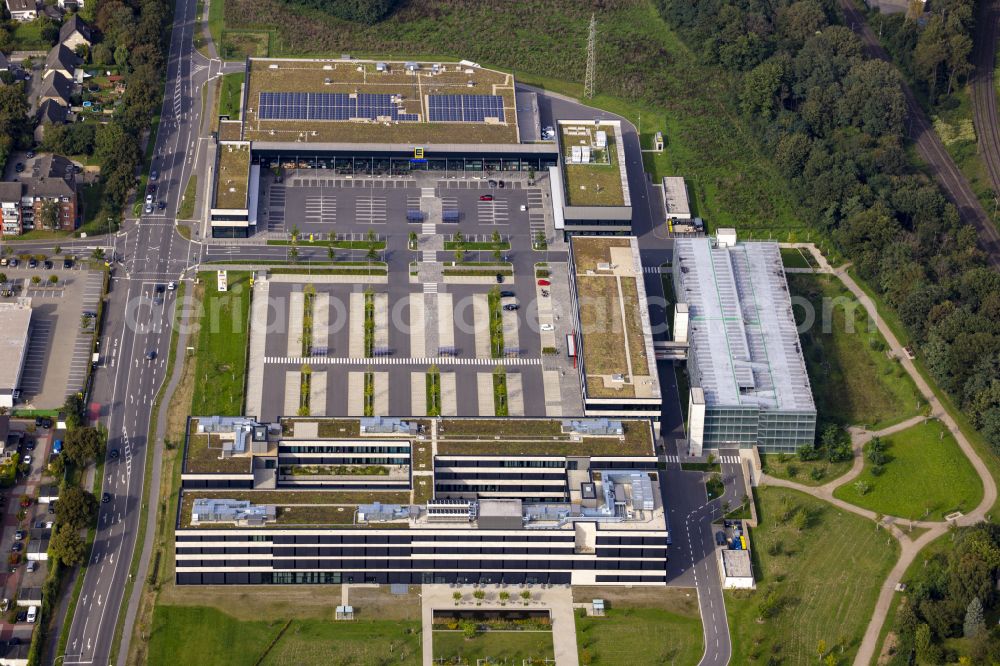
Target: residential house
(75, 32)
(57, 88)
(50, 112)
(11, 223)
(53, 179)
(53, 12)
(22, 10)
(61, 60)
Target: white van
(32, 613)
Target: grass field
(224, 329)
(205, 636)
(514, 646)
(643, 72)
(793, 257)
(790, 467)
(229, 97)
(824, 580)
(927, 477)
(853, 381)
(639, 636)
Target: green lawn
(28, 37)
(825, 580)
(205, 636)
(928, 475)
(853, 381)
(514, 646)
(635, 636)
(224, 328)
(793, 257)
(229, 96)
(809, 473)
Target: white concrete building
(15, 328)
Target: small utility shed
(735, 569)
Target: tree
(49, 215)
(459, 255)
(293, 254)
(479, 595)
(504, 597)
(821, 648)
(330, 252)
(761, 90)
(76, 508)
(372, 253)
(495, 237)
(54, 279)
(57, 250)
(3, 277)
(121, 58)
(35, 279)
(457, 596)
(526, 596)
(101, 55)
(413, 239)
(84, 445)
(975, 622)
(67, 545)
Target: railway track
(984, 98)
(931, 150)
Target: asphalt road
(931, 150)
(135, 347)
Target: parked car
(32, 614)
(148, 208)
(19, 535)
(149, 199)
(32, 565)
(46, 422)
(153, 175)
(486, 197)
(506, 294)
(171, 286)
(113, 454)
(23, 615)
(13, 262)
(4, 605)
(19, 167)
(510, 307)
(544, 283)
(52, 507)
(105, 498)
(32, 263)
(67, 263)
(26, 460)
(151, 354)
(547, 327)
(499, 278)
(16, 547)
(47, 264)
(3, 261)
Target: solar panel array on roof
(464, 108)
(330, 106)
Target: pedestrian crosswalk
(394, 360)
(428, 256)
(729, 460)
(654, 269)
(430, 287)
(672, 459)
(427, 228)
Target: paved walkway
(908, 548)
(557, 600)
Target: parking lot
(321, 202)
(429, 313)
(59, 348)
(27, 536)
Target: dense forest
(835, 124)
(950, 599)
